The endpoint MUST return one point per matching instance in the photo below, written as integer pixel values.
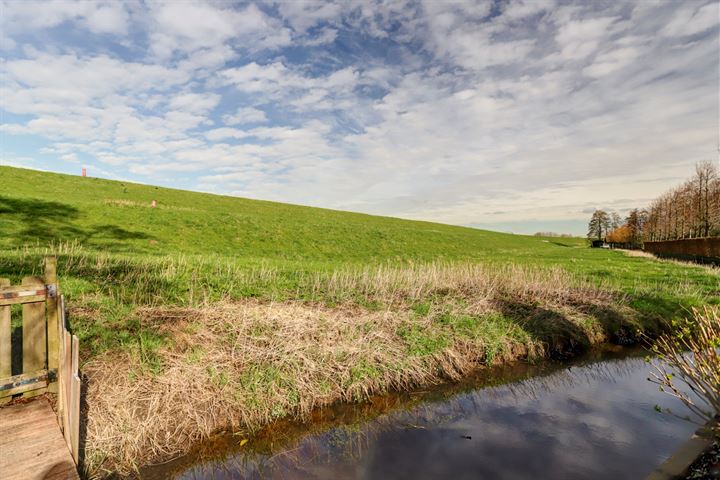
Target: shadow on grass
(564, 336)
(49, 221)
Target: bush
(689, 358)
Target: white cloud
(191, 26)
(96, 16)
(245, 115)
(275, 82)
(691, 19)
(580, 38)
(111, 18)
(327, 35)
(269, 78)
(195, 102)
(303, 14)
(518, 10)
(455, 35)
(608, 62)
(91, 78)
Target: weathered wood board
(31, 444)
(5, 337)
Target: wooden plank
(75, 355)
(5, 337)
(25, 382)
(61, 407)
(22, 294)
(53, 343)
(24, 290)
(75, 420)
(23, 300)
(66, 380)
(31, 445)
(34, 338)
(75, 405)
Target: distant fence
(47, 359)
(706, 250)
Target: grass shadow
(573, 330)
(50, 221)
(561, 336)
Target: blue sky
(515, 116)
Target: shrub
(689, 358)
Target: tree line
(690, 210)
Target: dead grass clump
(466, 280)
(239, 366)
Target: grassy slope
(40, 208)
(112, 215)
(453, 294)
(219, 237)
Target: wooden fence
(47, 359)
(706, 250)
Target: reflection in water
(593, 418)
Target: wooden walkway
(31, 444)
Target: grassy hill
(117, 217)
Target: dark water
(593, 418)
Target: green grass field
(210, 313)
(116, 252)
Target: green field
(275, 309)
(117, 252)
(113, 216)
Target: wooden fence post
(53, 328)
(5, 337)
(75, 405)
(34, 339)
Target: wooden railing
(47, 360)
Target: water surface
(593, 418)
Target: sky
(512, 116)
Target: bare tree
(705, 176)
(635, 223)
(691, 210)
